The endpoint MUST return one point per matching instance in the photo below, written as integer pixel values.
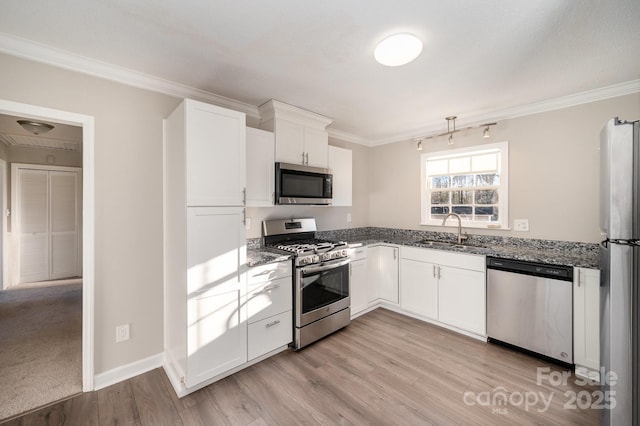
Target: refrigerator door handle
(622, 242)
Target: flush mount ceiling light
(35, 127)
(398, 49)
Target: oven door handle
(325, 266)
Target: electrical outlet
(247, 223)
(521, 225)
(122, 333)
(348, 217)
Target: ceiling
(62, 136)
(480, 58)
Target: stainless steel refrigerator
(619, 268)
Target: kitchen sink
(432, 243)
(453, 244)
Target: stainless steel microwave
(299, 184)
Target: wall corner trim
(127, 371)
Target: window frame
(503, 189)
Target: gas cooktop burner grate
(307, 245)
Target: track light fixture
(451, 129)
(451, 132)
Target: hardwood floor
(384, 369)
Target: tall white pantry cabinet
(204, 243)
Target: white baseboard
(180, 388)
(128, 371)
(588, 374)
(397, 309)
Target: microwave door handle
(325, 266)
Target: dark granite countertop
(564, 253)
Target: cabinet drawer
(358, 253)
(270, 334)
(270, 298)
(270, 271)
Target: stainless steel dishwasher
(530, 305)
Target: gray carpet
(40, 346)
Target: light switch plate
(247, 223)
(521, 225)
(348, 217)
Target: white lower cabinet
(358, 281)
(269, 334)
(586, 320)
(382, 272)
(205, 291)
(217, 335)
(269, 308)
(461, 298)
(216, 288)
(419, 288)
(445, 287)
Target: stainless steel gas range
(321, 279)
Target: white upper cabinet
(214, 150)
(301, 136)
(260, 168)
(316, 144)
(340, 163)
(290, 146)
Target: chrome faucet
(461, 237)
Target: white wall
(128, 198)
(23, 154)
(553, 172)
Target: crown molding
(347, 137)
(475, 119)
(27, 49)
(274, 108)
(40, 142)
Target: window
(472, 182)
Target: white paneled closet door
(47, 223)
(63, 223)
(33, 217)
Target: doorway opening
(51, 266)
